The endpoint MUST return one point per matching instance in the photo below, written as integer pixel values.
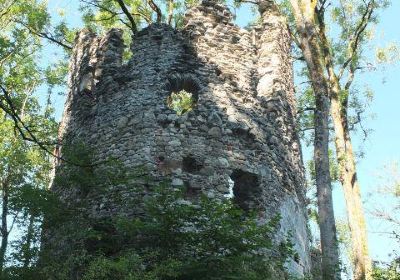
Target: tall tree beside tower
(332, 64)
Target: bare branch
(19, 124)
(170, 11)
(4, 59)
(250, 2)
(156, 9)
(12, 223)
(6, 10)
(359, 122)
(44, 35)
(306, 129)
(350, 79)
(28, 135)
(114, 13)
(298, 58)
(133, 26)
(143, 15)
(305, 110)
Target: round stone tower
(238, 141)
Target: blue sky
(382, 145)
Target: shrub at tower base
(176, 237)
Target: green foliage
(24, 167)
(105, 14)
(181, 102)
(24, 177)
(179, 239)
(79, 171)
(349, 29)
(305, 115)
(23, 25)
(389, 54)
(175, 238)
(390, 271)
(386, 210)
(128, 266)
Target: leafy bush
(174, 239)
(390, 271)
(178, 239)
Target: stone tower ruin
(239, 140)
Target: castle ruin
(239, 141)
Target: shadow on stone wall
(239, 140)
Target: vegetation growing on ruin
(28, 137)
(173, 238)
(181, 102)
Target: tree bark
(347, 166)
(326, 217)
(4, 226)
(29, 239)
(351, 188)
(308, 43)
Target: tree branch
(156, 9)
(6, 10)
(44, 35)
(128, 15)
(306, 129)
(170, 11)
(305, 110)
(19, 123)
(350, 79)
(143, 15)
(27, 134)
(12, 223)
(356, 37)
(250, 2)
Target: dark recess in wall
(246, 187)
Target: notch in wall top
(111, 47)
(211, 9)
(84, 36)
(94, 56)
(87, 41)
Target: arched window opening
(183, 93)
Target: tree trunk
(313, 56)
(346, 163)
(326, 217)
(318, 60)
(4, 226)
(348, 178)
(29, 239)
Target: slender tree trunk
(316, 51)
(348, 178)
(170, 11)
(308, 42)
(29, 239)
(346, 162)
(4, 226)
(326, 217)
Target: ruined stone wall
(239, 141)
